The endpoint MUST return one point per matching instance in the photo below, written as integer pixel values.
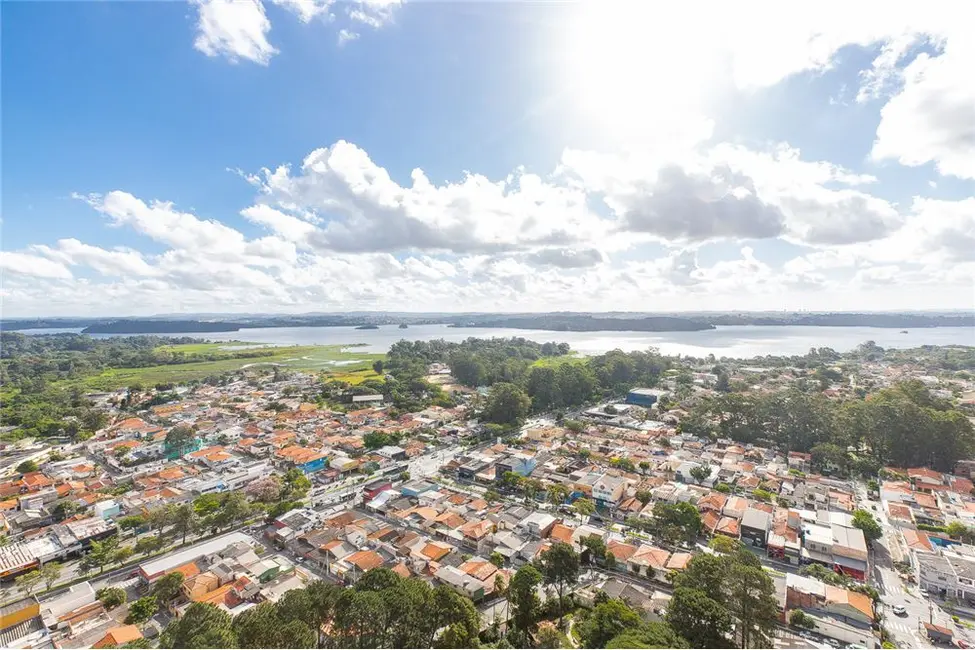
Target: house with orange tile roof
(118, 636)
(728, 526)
(648, 560)
(435, 551)
(621, 551)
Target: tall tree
(560, 568)
(51, 573)
(506, 404)
(703, 621)
(751, 600)
(525, 604)
(184, 520)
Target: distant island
(403, 326)
(585, 323)
(367, 327)
(159, 327)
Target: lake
(734, 341)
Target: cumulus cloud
(932, 118)
(369, 212)
(234, 29)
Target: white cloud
(234, 29)
(346, 36)
(368, 211)
(306, 10)
(932, 118)
(72, 252)
(33, 266)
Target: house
(800, 461)
(117, 636)
(645, 397)
(520, 464)
(608, 490)
(849, 551)
(537, 524)
(755, 526)
(837, 613)
(392, 452)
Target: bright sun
(635, 72)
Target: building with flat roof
(154, 569)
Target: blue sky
(573, 156)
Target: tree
(606, 621)
(725, 545)
(65, 509)
(295, 484)
(131, 522)
(506, 404)
(377, 366)
(548, 637)
(751, 601)
(560, 567)
(51, 573)
(497, 559)
(700, 619)
(865, 522)
(234, 509)
(677, 522)
(724, 488)
(29, 581)
(159, 518)
(111, 597)
(828, 455)
(168, 587)
(179, 438)
(184, 520)
(122, 452)
(644, 496)
(491, 495)
(584, 507)
(596, 546)
(644, 466)
(122, 554)
(201, 626)
(649, 635)
(524, 601)
(148, 544)
(798, 618)
(103, 552)
(265, 490)
(142, 610)
(26, 467)
(265, 627)
(955, 529)
(701, 473)
(557, 494)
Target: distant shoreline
(557, 322)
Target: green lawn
(341, 361)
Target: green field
(339, 361)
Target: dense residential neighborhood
(234, 493)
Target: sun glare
(635, 72)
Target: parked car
(961, 643)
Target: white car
(899, 610)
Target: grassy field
(340, 362)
